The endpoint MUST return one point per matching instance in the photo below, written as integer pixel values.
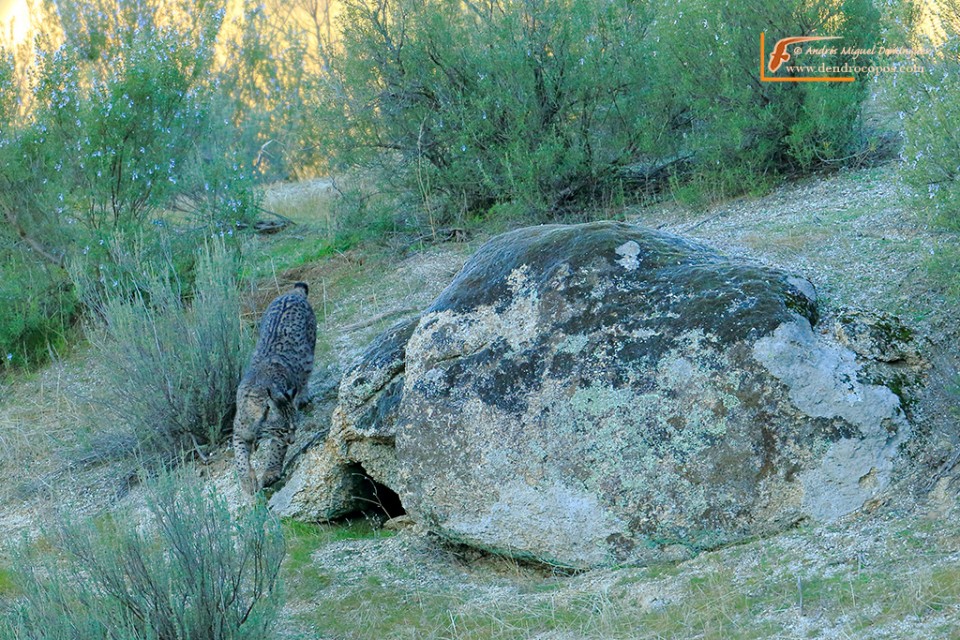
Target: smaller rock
(877, 336)
(942, 499)
(399, 523)
(355, 440)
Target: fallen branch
(56, 260)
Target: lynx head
(254, 408)
(302, 288)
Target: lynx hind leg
(275, 450)
(242, 450)
(303, 398)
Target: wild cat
(267, 398)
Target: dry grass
(887, 577)
(306, 202)
(309, 206)
(849, 233)
(41, 417)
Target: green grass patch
(942, 590)
(304, 538)
(380, 607)
(324, 226)
(302, 541)
(943, 267)
(290, 250)
(303, 577)
(8, 584)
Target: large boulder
(597, 394)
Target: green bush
(122, 136)
(930, 109)
(8, 89)
(535, 103)
(39, 308)
(740, 131)
(188, 570)
(254, 85)
(266, 89)
(170, 353)
(124, 147)
(467, 105)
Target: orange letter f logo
(780, 55)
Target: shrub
(929, 105)
(39, 308)
(8, 91)
(38, 305)
(535, 103)
(171, 354)
(742, 131)
(187, 570)
(119, 138)
(121, 149)
(266, 87)
(468, 104)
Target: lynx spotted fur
(267, 398)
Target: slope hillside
(890, 572)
